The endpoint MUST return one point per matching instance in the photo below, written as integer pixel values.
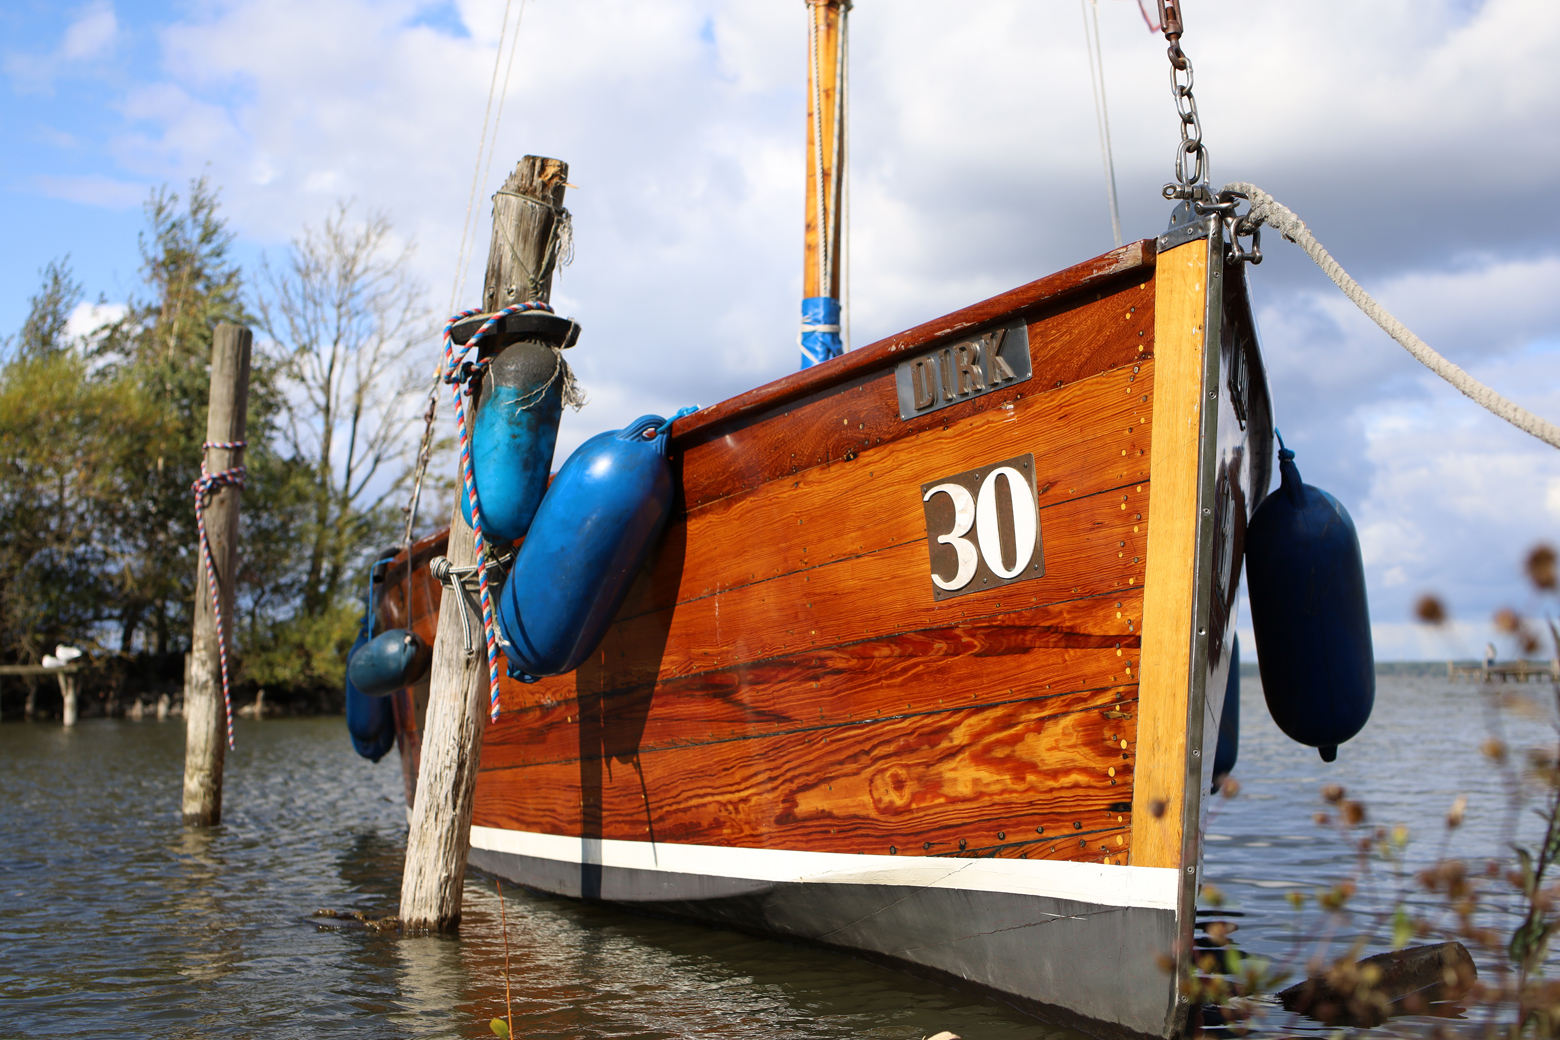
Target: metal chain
(1190, 183)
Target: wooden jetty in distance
(1511, 671)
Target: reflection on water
(116, 920)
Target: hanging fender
(1228, 748)
(391, 660)
(595, 528)
(1306, 582)
(370, 720)
(518, 405)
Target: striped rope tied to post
(207, 485)
(462, 376)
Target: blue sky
(1419, 138)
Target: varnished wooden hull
(790, 729)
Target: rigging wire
(486, 141)
(471, 199)
(514, 45)
(1101, 111)
(842, 174)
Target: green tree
(163, 347)
(63, 430)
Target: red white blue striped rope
(204, 488)
(463, 376)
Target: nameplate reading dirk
(983, 528)
(959, 371)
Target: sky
(1419, 139)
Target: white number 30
(981, 514)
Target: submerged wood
(1370, 991)
(205, 725)
(520, 264)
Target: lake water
(116, 920)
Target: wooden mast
(824, 225)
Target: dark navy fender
(596, 526)
(1228, 749)
(370, 720)
(391, 660)
(1308, 609)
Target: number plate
(991, 361)
(983, 528)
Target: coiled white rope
(1266, 210)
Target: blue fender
(596, 526)
(513, 437)
(391, 660)
(370, 720)
(1228, 748)
(1308, 609)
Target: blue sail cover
(820, 330)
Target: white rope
(1265, 210)
(1101, 111)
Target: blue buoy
(388, 662)
(370, 720)
(1228, 748)
(1307, 587)
(516, 425)
(596, 527)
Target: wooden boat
(793, 728)
(929, 663)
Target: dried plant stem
(503, 927)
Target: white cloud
(92, 34)
(89, 37)
(93, 190)
(86, 319)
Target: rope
(461, 375)
(817, 135)
(1101, 110)
(1265, 210)
(207, 485)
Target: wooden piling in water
(205, 726)
(519, 269)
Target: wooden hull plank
(1172, 555)
(1069, 342)
(918, 783)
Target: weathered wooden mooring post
(519, 269)
(205, 722)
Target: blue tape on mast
(820, 338)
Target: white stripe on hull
(1146, 887)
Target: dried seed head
(1333, 793)
(1541, 568)
(1507, 620)
(1430, 610)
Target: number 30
(981, 514)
